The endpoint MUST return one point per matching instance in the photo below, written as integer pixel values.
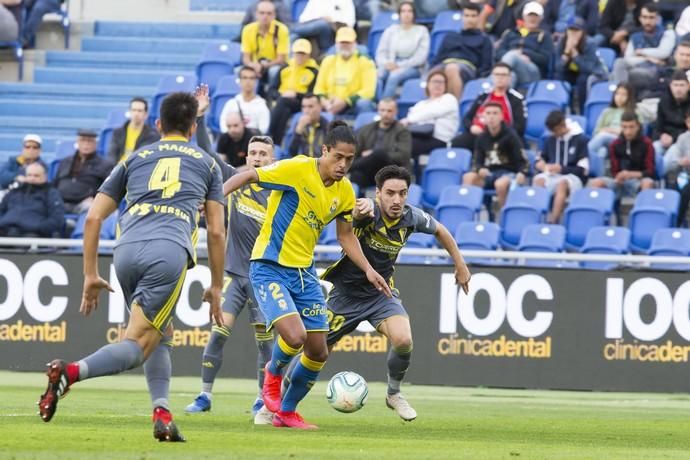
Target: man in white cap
(527, 48)
(15, 168)
(347, 80)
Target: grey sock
(398, 362)
(264, 343)
(158, 369)
(111, 359)
(212, 359)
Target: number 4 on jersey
(166, 177)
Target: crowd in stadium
(559, 94)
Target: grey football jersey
(381, 245)
(163, 185)
(246, 215)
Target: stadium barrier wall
(519, 327)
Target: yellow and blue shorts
(284, 291)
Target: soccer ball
(347, 392)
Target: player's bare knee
(294, 339)
(319, 355)
(402, 342)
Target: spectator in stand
(647, 51)
(381, 143)
(347, 80)
(497, 158)
(608, 126)
(513, 103)
(265, 43)
(233, 143)
(632, 160)
(134, 134)
(577, 59)
(433, 121)
(79, 176)
(619, 19)
(32, 209)
(670, 118)
(321, 18)
(527, 49)
(467, 54)
(294, 81)
(677, 168)
(9, 27)
(282, 12)
(36, 9)
(402, 51)
(15, 168)
(251, 107)
(563, 163)
(559, 13)
(679, 61)
(310, 129)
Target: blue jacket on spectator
(569, 151)
(536, 45)
(32, 208)
(471, 45)
(587, 61)
(12, 169)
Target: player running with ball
(307, 194)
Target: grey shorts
(346, 312)
(238, 292)
(151, 275)
(628, 188)
(467, 71)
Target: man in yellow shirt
(347, 80)
(265, 43)
(294, 81)
(134, 134)
(307, 194)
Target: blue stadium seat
(542, 238)
(63, 149)
(365, 118)
(445, 21)
(169, 84)
(379, 24)
(524, 206)
(418, 241)
(543, 97)
(605, 240)
(671, 242)
(412, 92)
(217, 61)
(483, 236)
(226, 88)
(445, 167)
(116, 118)
(458, 204)
(608, 56)
(653, 209)
(599, 97)
(297, 8)
(471, 91)
(108, 228)
(588, 207)
(414, 195)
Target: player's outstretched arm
(462, 273)
(350, 244)
(103, 206)
(238, 180)
(215, 213)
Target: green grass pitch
(110, 418)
